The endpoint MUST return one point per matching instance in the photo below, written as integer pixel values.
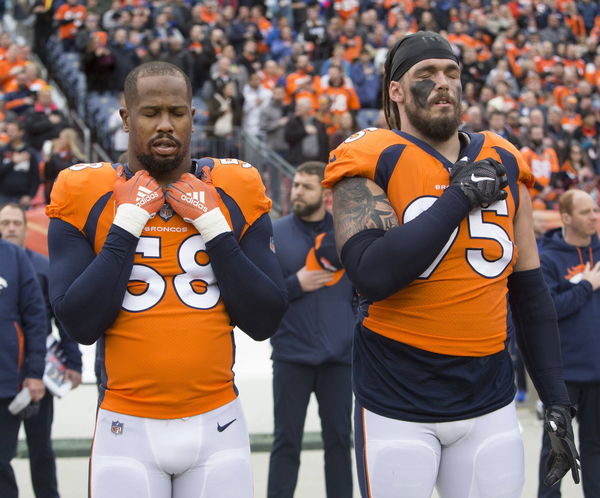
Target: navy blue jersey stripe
(512, 169)
(386, 164)
(91, 224)
(472, 150)
(427, 148)
(359, 449)
(237, 217)
(100, 369)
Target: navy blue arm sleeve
(87, 290)
(380, 263)
(32, 313)
(250, 279)
(537, 334)
(294, 289)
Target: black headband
(416, 48)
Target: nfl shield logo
(117, 428)
(166, 212)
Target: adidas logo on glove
(144, 196)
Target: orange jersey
(343, 99)
(470, 273)
(542, 164)
(170, 352)
(70, 17)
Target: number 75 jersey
(457, 306)
(170, 352)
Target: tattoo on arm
(359, 204)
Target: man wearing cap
(427, 223)
(311, 348)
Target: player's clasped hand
(191, 197)
(564, 455)
(141, 190)
(482, 181)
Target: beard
(157, 165)
(305, 210)
(439, 128)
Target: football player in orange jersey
(158, 260)
(428, 220)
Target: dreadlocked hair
(390, 109)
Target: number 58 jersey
(170, 352)
(457, 306)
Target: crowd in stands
(305, 75)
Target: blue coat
(23, 322)
(318, 326)
(68, 346)
(577, 306)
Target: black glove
(482, 181)
(564, 455)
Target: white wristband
(211, 224)
(131, 218)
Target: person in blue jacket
(38, 428)
(22, 349)
(570, 260)
(312, 347)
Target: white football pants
(205, 456)
(480, 457)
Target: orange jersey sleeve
(470, 272)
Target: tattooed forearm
(358, 204)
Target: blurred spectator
(66, 151)
(202, 56)
(497, 125)
(220, 74)
(43, 12)
(544, 165)
(224, 117)
(339, 89)
(249, 58)
(273, 119)
(124, 56)
(20, 100)
(19, 171)
(98, 65)
(473, 122)
(69, 16)
(256, 98)
(110, 18)
(346, 128)
(588, 135)
(91, 27)
(336, 59)
(10, 65)
(577, 165)
(366, 79)
(314, 31)
(115, 126)
(306, 135)
(45, 120)
(179, 55)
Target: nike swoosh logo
(221, 428)
(333, 158)
(478, 179)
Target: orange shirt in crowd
(343, 99)
(571, 122)
(353, 46)
(346, 8)
(542, 165)
(74, 13)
